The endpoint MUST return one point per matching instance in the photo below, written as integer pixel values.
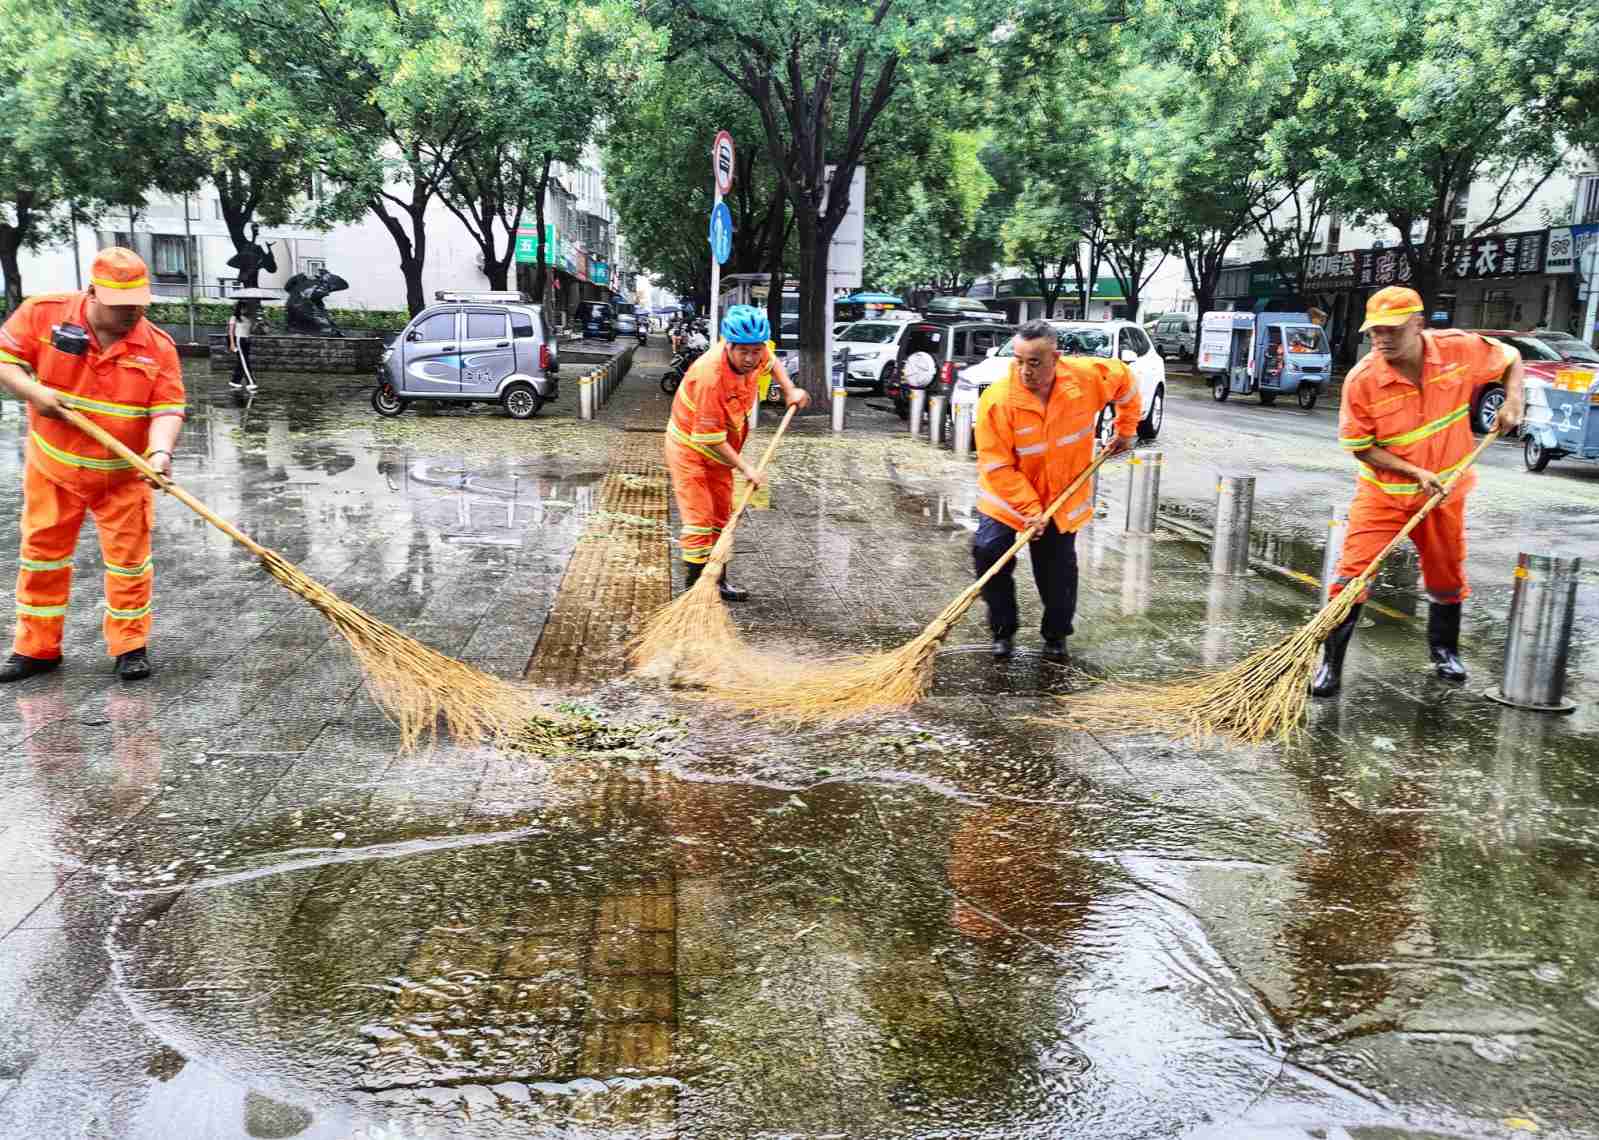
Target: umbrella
(873, 299)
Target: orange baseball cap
(1391, 306)
(120, 277)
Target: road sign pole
(722, 167)
(716, 280)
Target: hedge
(218, 312)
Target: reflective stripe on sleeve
(1031, 449)
(1074, 437)
(127, 615)
(138, 571)
(1131, 392)
(995, 501)
(41, 611)
(1356, 442)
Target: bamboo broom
(1262, 696)
(695, 624)
(415, 685)
(796, 692)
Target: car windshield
(864, 332)
(1570, 347)
(923, 338)
(624, 307)
(1086, 342)
(1306, 338)
(1530, 348)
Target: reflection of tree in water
(325, 457)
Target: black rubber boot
(19, 667)
(691, 574)
(1443, 641)
(731, 593)
(134, 665)
(1330, 675)
(1055, 650)
(1003, 648)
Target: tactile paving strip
(620, 572)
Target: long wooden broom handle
(1026, 536)
(90, 428)
(1365, 575)
(726, 536)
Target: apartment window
(313, 265)
(173, 255)
(1335, 229)
(1457, 232)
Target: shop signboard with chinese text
(1498, 255)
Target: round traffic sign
(721, 233)
(722, 161)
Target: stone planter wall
(303, 354)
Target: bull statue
(305, 312)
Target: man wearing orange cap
(95, 353)
(1406, 417)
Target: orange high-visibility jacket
(1428, 426)
(1026, 454)
(712, 405)
(122, 388)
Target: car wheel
(386, 401)
(521, 402)
(1534, 454)
(1149, 426)
(1486, 413)
(1105, 426)
(884, 380)
(1267, 399)
(1307, 396)
(1219, 391)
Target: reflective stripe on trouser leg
(1440, 538)
(51, 519)
(704, 492)
(124, 515)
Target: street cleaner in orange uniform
(95, 353)
(1406, 417)
(706, 432)
(1035, 434)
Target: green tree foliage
(925, 198)
(1409, 105)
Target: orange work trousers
(1440, 538)
(704, 490)
(52, 515)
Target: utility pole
(188, 262)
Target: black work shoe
(1330, 674)
(20, 666)
(691, 574)
(1003, 648)
(134, 665)
(1443, 641)
(1055, 650)
(731, 593)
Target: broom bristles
(419, 687)
(1263, 696)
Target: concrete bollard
(1337, 531)
(1235, 508)
(918, 410)
(935, 420)
(1143, 490)
(840, 412)
(585, 397)
(963, 430)
(1541, 613)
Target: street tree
(925, 207)
(1412, 107)
(1044, 234)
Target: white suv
(1122, 340)
(871, 349)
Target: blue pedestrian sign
(721, 233)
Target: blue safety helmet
(745, 324)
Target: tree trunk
(815, 374)
(776, 232)
(541, 271)
(11, 239)
(412, 254)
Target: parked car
(1176, 334)
(870, 351)
(788, 333)
(625, 317)
(1123, 340)
(960, 309)
(937, 352)
(471, 351)
(595, 320)
(1543, 353)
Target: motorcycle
(693, 347)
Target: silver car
(1175, 335)
(471, 347)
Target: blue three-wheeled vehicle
(1264, 354)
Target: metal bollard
(755, 412)
(1143, 491)
(935, 420)
(1541, 613)
(1337, 531)
(918, 410)
(585, 397)
(963, 430)
(840, 413)
(1235, 506)
(1138, 574)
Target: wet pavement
(228, 908)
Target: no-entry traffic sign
(722, 161)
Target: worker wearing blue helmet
(707, 428)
